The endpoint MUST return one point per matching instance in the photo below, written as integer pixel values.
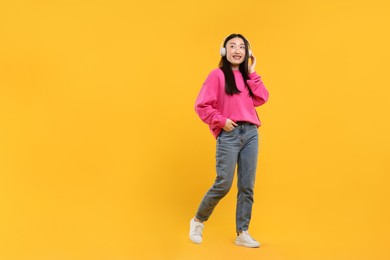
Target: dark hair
(225, 66)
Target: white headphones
(222, 50)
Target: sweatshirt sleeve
(206, 103)
(259, 91)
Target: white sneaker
(244, 239)
(196, 229)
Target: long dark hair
(225, 66)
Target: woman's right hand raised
(229, 125)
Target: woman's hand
(252, 64)
(229, 125)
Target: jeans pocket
(226, 136)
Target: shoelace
(198, 229)
(246, 234)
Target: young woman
(227, 104)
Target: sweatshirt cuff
(222, 122)
(253, 75)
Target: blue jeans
(238, 147)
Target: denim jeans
(238, 147)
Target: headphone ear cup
(250, 53)
(222, 52)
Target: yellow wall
(103, 157)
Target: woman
(227, 104)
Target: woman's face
(235, 52)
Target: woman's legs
(237, 147)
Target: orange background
(103, 157)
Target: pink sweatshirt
(214, 106)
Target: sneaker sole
(196, 242)
(246, 245)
